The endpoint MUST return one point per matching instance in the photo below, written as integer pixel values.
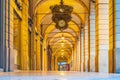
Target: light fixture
(62, 54)
(61, 15)
(62, 37)
(62, 44)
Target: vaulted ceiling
(61, 42)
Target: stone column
(86, 47)
(75, 57)
(78, 54)
(6, 36)
(72, 61)
(56, 64)
(2, 35)
(102, 35)
(33, 43)
(38, 60)
(24, 36)
(112, 37)
(52, 63)
(92, 37)
(82, 49)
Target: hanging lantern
(61, 15)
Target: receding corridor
(59, 39)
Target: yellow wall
(16, 39)
(23, 32)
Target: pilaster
(24, 36)
(92, 37)
(102, 35)
(82, 49)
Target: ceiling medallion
(61, 15)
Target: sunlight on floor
(58, 76)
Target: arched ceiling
(46, 21)
(84, 3)
(61, 47)
(62, 36)
(43, 9)
(62, 58)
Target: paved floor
(58, 76)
